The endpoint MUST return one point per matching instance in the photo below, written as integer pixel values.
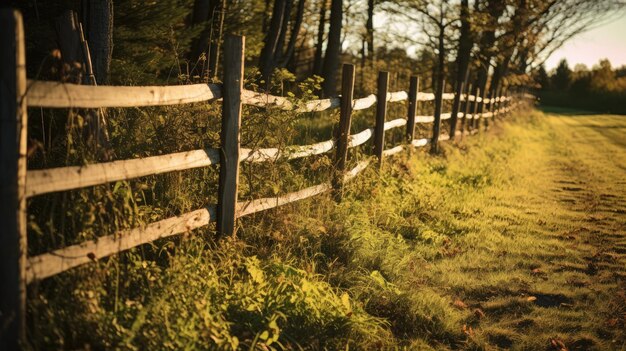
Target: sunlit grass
(490, 245)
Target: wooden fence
(19, 184)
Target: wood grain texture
(397, 96)
(13, 154)
(289, 153)
(342, 131)
(364, 103)
(393, 150)
(253, 206)
(66, 95)
(412, 108)
(268, 100)
(229, 138)
(399, 122)
(381, 114)
(420, 142)
(75, 177)
(51, 263)
(360, 138)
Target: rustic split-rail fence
(18, 184)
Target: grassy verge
(484, 247)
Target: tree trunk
(202, 16)
(284, 58)
(217, 28)
(265, 15)
(369, 27)
(462, 63)
(321, 28)
(99, 23)
(495, 10)
(266, 59)
(333, 49)
(284, 28)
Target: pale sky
(607, 41)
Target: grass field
(542, 260)
(513, 239)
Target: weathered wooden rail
(18, 183)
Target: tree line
(601, 88)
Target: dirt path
(587, 163)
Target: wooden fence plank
(75, 177)
(55, 262)
(414, 86)
(363, 103)
(253, 206)
(397, 96)
(289, 153)
(13, 138)
(360, 138)
(234, 47)
(264, 100)
(393, 150)
(399, 122)
(381, 113)
(420, 142)
(66, 95)
(342, 131)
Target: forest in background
(179, 41)
(601, 88)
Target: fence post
(437, 123)
(488, 108)
(466, 108)
(414, 87)
(342, 132)
(230, 137)
(475, 113)
(381, 113)
(13, 129)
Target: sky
(606, 41)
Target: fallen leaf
(460, 304)
(531, 298)
(468, 330)
(612, 322)
(479, 313)
(558, 345)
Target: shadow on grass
(567, 111)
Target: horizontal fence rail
(67, 95)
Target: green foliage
(151, 41)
